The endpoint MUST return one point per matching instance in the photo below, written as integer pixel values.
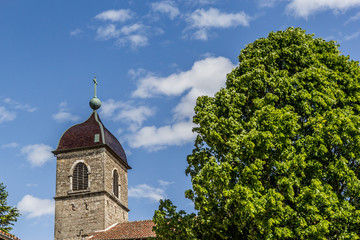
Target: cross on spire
(95, 84)
(95, 103)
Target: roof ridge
(146, 220)
(11, 236)
(140, 229)
(101, 125)
(108, 228)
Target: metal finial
(95, 84)
(95, 103)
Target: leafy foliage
(174, 225)
(8, 214)
(277, 151)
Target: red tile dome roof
(91, 133)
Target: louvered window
(116, 183)
(80, 177)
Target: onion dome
(91, 134)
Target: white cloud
(126, 112)
(213, 18)
(164, 183)
(185, 109)
(9, 112)
(204, 78)
(352, 36)
(31, 185)
(203, 20)
(106, 32)
(135, 40)
(35, 207)
(146, 191)
(6, 115)
(267, 3)
(136, 73)
(76, 32)
(304, 8)
(126, 30)
(137, 115)
(109, 107)
(166, 7)
(120, 15)
(37, 154)
(153, 138)
(353, 18)
(200, 2)
(120, 131)
(16, 105)
(110, 31)
(10, 145)
(63, 115)
(201, 34)
(136, 35)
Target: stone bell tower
(91, 179)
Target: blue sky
(152, 59)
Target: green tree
(8, 214)
(277, 153)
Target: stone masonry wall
(80, 213)
(112, 163)
(93, 159)
(114, 213)
(78, 217)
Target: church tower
(91, 179)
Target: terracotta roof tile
(127, 230)
(7, 236)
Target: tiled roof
(127, 230)
(91, 133)
(7, 236)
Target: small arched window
(80, 177)
(116, 183)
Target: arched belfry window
(80, 177)
(116, 183)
